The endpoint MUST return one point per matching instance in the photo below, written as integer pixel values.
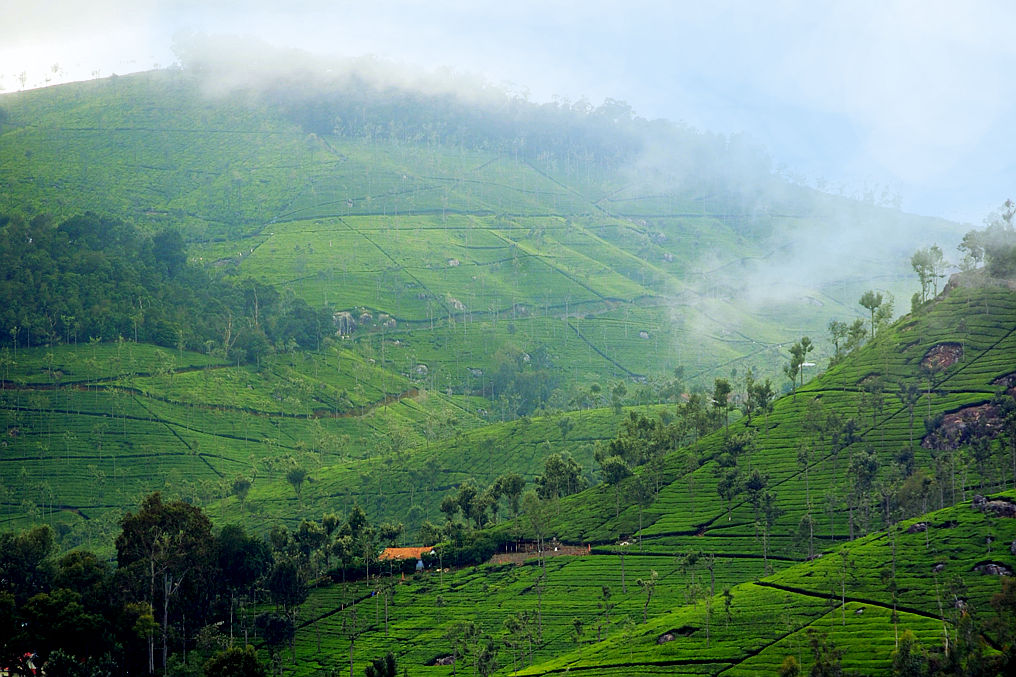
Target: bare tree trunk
(168, 584)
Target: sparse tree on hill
(641, 493)
(613, 469)
(855, 335)
(928, 264)
(789, 667)
(296, 477)
(604, 605)
(562, 476)
(721, 399)
(826, 656)
(861, 472)
(241, 487)
(728, 602)
(806, 534)
(871, 300)
(762, 395)
(838, 333)
(510, 485)
(798, 355)
(909, 395)
(648, 586)
(577, 630)
(972, 248)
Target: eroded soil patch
(671, 635)
(958, 427)
(1008, 382)
(941, 356)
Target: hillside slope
(698, 593)
(480, 269)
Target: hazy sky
(918, 96)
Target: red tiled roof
(404, 553)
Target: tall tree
(871, 300)
(721, 399)
(165, 551)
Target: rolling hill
(698, 592)
(479, 263)
(292, 302)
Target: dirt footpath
(527, 551)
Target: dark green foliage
(522, 382)
(58, 620)
(276, 629)
(382, 667)
(64, 664)
(909, 660)
(96, 277)
(243, 560)
(86, 618)
(24, 566)
(562, 476)
(235, 662)
(825, 656)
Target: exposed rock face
(993, 569)
(1008, 382)
(938, 568)
(958, 427)
(918, 528)
(345, 324)
(1012, 549)
(1000, 507)
(942, 355)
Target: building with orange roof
(405, 553)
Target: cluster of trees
(643, 441)
(521, 382)
(995, 245)
(92, 277)
(993, 248)
(180, 596)
(575, 138)
(848, 337)
(467, 511)
(360, 110)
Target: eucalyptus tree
(798, 357)
(928, 263)
(871, 300)
(838, 333)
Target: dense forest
(93, 278)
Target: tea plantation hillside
(864, 531)
(441, 247)
(907, 422)
(90, 429)
(471, 275)
(567, 346)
